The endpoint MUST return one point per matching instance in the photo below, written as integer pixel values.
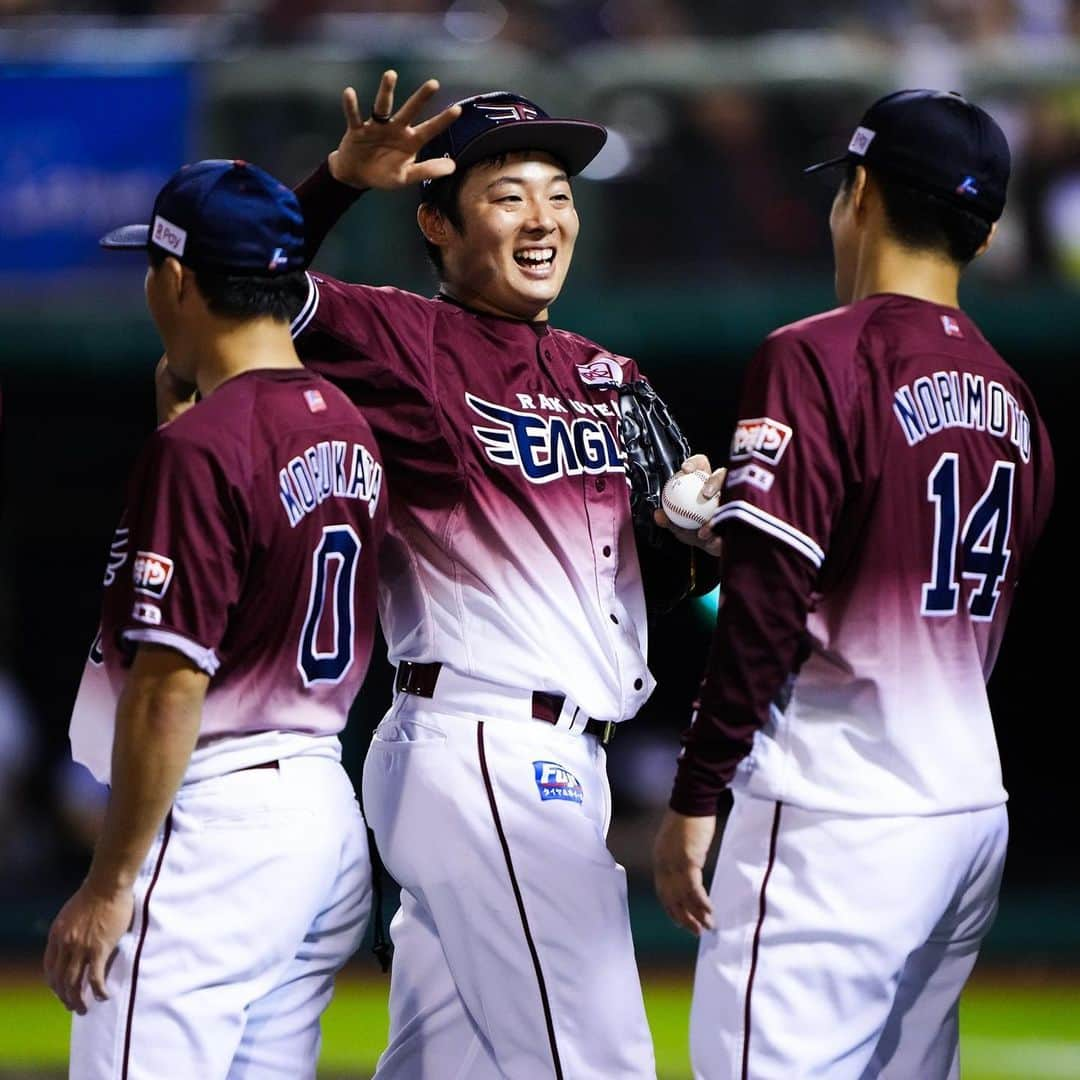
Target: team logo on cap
(152, 573)
(967, 186)
(762, 438)
(860, 141)
(278, 259)
(169, 236)
(556, 782)
(499, 113)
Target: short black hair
(925, 222)
(248, 296)
(442, 195)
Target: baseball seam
(674, 511)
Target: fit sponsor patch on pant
(555, 782)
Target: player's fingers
(714, 483)
(711, 544)
(350, 106)
(427, 131)
(416, 101)
(384, 96)
(97, 970)
(661, 519)
(429, 170)
(698, 906)
(696, 462)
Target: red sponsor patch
(762, 438)
(602, 369)
(314, 399)
(151, 573)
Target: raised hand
(380, 152)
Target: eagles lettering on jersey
(546, 447)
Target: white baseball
(682, 501)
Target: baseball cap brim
(574, 142)
(127, 237)
(830, 164)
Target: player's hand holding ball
(689, 500)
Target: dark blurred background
(699, 235)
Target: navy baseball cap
(938, 142)
(499, 121)
(229, 216)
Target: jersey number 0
(334, 558)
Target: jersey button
(601, 484)
(614, 618)
(607, 551)
(638, 684)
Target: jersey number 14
(979, 550)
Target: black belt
(420, 680)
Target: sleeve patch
(762, 438)
(152, 574)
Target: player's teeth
(536, 256)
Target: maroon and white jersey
(510, 552)
(249, 544)
(889, 445)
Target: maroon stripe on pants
(757, 942)
(138, 948)
(520, 904)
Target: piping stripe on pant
(138, 948)
(757, 942)
(520, 902)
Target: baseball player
(231, 878)
(887, 483)
(511, 596)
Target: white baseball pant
(254, 894)
(513, 955)
(841, 944)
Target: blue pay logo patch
(555, 782)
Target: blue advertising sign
(82, 150)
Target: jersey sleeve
(187, 529)
(788, 455)
(757, 646)
(367, 339)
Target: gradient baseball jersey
(249, 544)
(891, 447)
(510, 552)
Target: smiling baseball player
(888, 481)
(231, 878)
(512, 596)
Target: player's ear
(988, 241)
(857, 190)
(171, 278)
(433, 225)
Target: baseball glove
(654, 448)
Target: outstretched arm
(376, 152)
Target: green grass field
(1011, 1030)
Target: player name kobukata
(328, 469)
